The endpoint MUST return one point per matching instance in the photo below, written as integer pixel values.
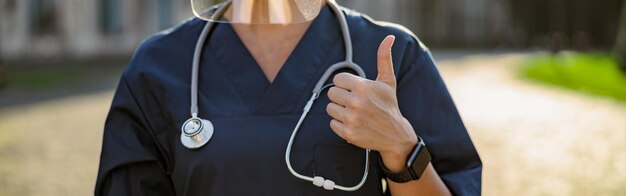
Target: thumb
(385, 64)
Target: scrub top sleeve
(426, 104)
(130, 163)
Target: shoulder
(170, 47)
(171, 41)
(360, 22)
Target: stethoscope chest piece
(196, 132)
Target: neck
(270, 45)
(275, 32)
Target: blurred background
(540, 84)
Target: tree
(620, 41)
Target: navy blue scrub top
(253, 118)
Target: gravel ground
(533, 139)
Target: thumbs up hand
(366, 113)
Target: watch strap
(416, 164)
(400, 177)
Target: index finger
(346, 80)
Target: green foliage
(620, 42)
(596, 73)
(41, 79)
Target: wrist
(395, 160)
(416, 164)
(396, 156)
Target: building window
(110, 20)
(43, 17)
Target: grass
(595, 73)
(41, 79)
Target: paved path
(533, 139)
(536, 139)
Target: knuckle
(348, 134)
(369, 84)
(352, 119)
(362, 86)
(358, 87)
(357, 103)
(384, 57)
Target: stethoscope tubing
(195, 68)
(317, 90)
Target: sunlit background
(537, 82)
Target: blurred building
(82, 28)
(88, 28)
(501, 23)
(444, 23)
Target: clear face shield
(257, 11)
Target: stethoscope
(196, 132)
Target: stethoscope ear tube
(196, 132)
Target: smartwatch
(415, 166)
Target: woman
(254, 80)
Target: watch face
(420, 158)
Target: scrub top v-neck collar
(315, 52)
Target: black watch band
(416, 164)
